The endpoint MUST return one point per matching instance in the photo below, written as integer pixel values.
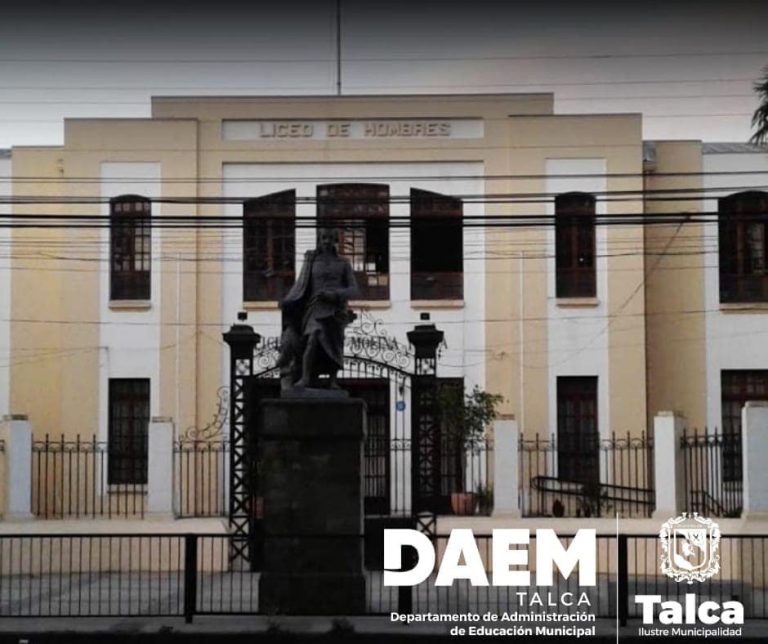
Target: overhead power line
(373, 178)
(368, 59)
(324, 146)
(559, 99)
(601, 196)
(326, 86)
(699, 115)
(468, 221)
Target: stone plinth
(310, 467)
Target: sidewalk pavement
(251, 628)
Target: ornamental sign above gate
(365, 338)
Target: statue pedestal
(310, 467)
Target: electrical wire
(334, 179)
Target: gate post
(161, 478)
(425, 432)
(668, 473)
(16, 431)
(190, 577)
(242, 341)
(622, 579)
(754, 450)
(506, 467)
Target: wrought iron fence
(46, 575)
(743, 575)
(617, 477)
(70, 478)
(463, 477)
(711, 485)
(201, 477)
(466, 476)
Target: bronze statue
(315, 313)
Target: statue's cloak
(300, 313)
(294, 303)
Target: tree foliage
(760, 117)
(466, 416)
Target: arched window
(361, 212)
(575, 245)
(742, 220)
(130, 248)
(437, 247)
(269, 246)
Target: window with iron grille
(743, 247)
(269, 246)
(575, 245)
(738, 387)
(128, 428)
(360, 211)
(130, 248)
(437, 247)
(577, 432)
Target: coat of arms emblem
(689, 548)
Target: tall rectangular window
(127, 432)
(437, 247)
(743, 247)
(575, 245)
(130, 248)
(577, 432)
(738, 387)
(269, 246)
(361, 213)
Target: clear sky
(687, 66)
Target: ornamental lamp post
(425, 431)
(241, 338)
(425, 339)
(242, 341)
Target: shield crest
(689, 548)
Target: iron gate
(403, 468)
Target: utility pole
(338, 47)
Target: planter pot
(463, 503)
(257, 507)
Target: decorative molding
(215, 428)
(272, 305)
(130, 305)
(575, 302)
(437, 304)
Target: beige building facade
(621, 317)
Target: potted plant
(485, 499)
(464, 421)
